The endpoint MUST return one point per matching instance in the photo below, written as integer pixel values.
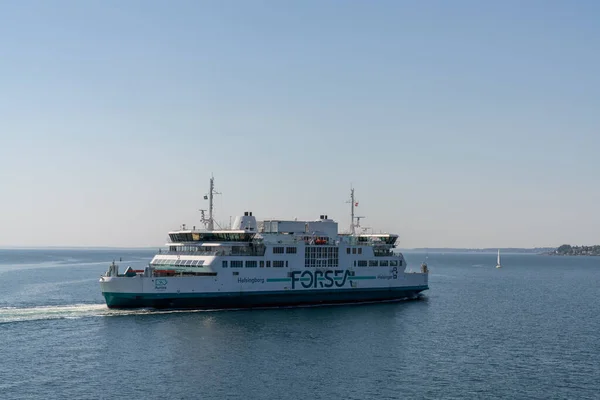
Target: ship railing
(256, 251)
(188, 253)
(383, 253)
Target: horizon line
(154, 247)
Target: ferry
(268, 263)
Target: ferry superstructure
(266, 263)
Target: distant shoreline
(536, 250)
(569, 255)
(564, 250)
(568, 250)
(77, 248)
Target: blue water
(529, 330)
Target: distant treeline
(568, 250)
(536, 250)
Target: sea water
(528, 330)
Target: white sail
(498, 262)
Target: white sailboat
(498, 262)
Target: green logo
(320, 279)
(160, 284)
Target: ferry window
(237, 264)
(372, 263)
(277, 250)
(362, 263)
(278, 264)
(286, 263)
(290, 250)
(383, 263)
(354, 250)
(348, 250)
(262, 264)
(400, 263)
(393, 263)
(359, 250)
(224, 264)
(355, 263)
(250, 264)
(268, 264)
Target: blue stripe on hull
(257, 299)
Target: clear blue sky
(459, 123)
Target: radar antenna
(358, 222)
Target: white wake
(73, 311)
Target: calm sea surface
(529, 330)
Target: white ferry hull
(186, 292)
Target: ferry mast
(210, 221)
(353, 203)
(352, 226)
